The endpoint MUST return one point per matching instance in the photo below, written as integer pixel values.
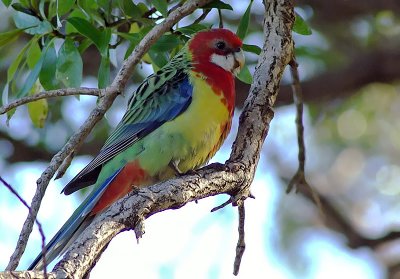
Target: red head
(220, 47)
(217, 55)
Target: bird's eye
(220, 45)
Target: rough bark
(234, 177)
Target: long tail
(79, 220)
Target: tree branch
(233, 178)
(50, 94)
(39, 225)
(107, 97)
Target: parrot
(175, 121)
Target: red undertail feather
(132, 174)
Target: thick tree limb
(233, 178)
(108, 96)
(26, 275)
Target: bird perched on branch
(175, 122)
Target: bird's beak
(239, 61)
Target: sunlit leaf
(17, 61)
(8, 37)
(6, 2)
(69, 65)
(245, 75)
(252, 48)
(33, 55)
(38, 109)
(244, 22)
(65, 6)
(300, 26)
(32, 77)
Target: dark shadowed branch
(39, 225)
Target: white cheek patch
(227, 62)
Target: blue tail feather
(76, 223)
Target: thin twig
(241, 245)
(299, 179)
(222, 205)
(49, 94)
(221, 22)
(202, 16)
(39, 225)
(107, 97)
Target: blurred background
(350, 74)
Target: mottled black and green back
(160, 98)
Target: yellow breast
(202, 126)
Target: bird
(175, 121)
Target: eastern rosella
(175, 122)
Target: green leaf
(103, 77)
(166, 43)
(244, 22)
(69, 65)
(158, 59)
(34, 74)
(218, 5)
(9, 37)
(245, 75)
(31, 25)
(69, 28)
(15, 64)
(47, 75)
(252, 48)
(7, 2)
(33, 55)
(100, 38)
(32, 77)
(38, 109)
(130, 9)
(64, 6)
(84, 44)
(191, 29)
(161, 6)
(23, 9)
(300, 26)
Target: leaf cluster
(59, 33)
